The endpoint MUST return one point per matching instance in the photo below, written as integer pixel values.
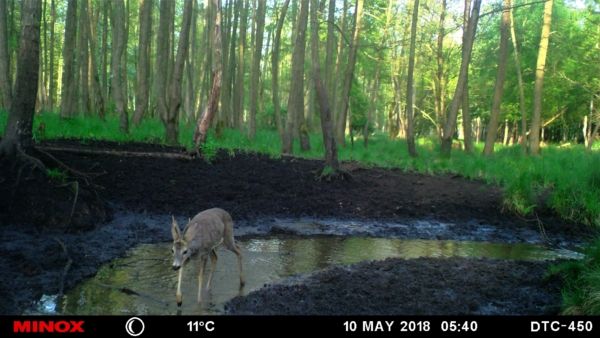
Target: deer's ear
(175, 230)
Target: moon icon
(129, 326)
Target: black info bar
(225, 326)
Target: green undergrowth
(565, 179)
(581, 282)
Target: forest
(503, 93)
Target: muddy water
(144, 283)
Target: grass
(581, 287)
(566, 178)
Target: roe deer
(202, 235)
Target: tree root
(61, 285)
(75, 185)
(85, 176)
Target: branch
(501, 8)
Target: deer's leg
(178, 296)
(230, 245)
(200, 275)
(213, 266)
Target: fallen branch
(117, 152)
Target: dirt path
(250, 186)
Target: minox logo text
(48, 326)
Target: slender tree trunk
(105, 28)
(172, 120)
(492, 127)
(410, 134)
(5, 83)
(450, 126)
(343, 115)
(143, 64)
(230, 70)
(466, 112)
(275, 67)
(82, 46)
(331, 159)
(330, 50)
(52, 84)
(117, 69)
(162, 59)
(534, 137)
(255, 73)
(97, 93)
(516, 55)
(296, 96)
(204, 121)
(339, 68)
(439, 81)
(68, 99)
(467, 122)
(238, 92)
(18, 136)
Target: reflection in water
(144, 283)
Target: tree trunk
(97, 93)
(410, 134)
(275, 67)
(52, 83)
(296, 96)
(450, 126)
(117, 69)
(143, 64)
(230, 69)
(534, 137)
(163, 37)
(439, 81)
(238, 91)
(105, 28)
(204, 121)
(68, 99)
(5, 83)
(492, 127)
(82, 46)
(343, 112)
(255, 73)
(330, 50)
(516, 55)
(467, 121)
(172, 120)
(18, 136)
(331, 159)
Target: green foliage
(581, 290)
(57, 175)
(359, 106)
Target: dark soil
(424, 286)
(35, 212)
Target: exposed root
(329, 175)
(84, 176)
(75, 185)
(61, 286)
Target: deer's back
(206, 229)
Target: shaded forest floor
(35, 214)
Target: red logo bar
(48, 326)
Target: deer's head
(180, 249)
